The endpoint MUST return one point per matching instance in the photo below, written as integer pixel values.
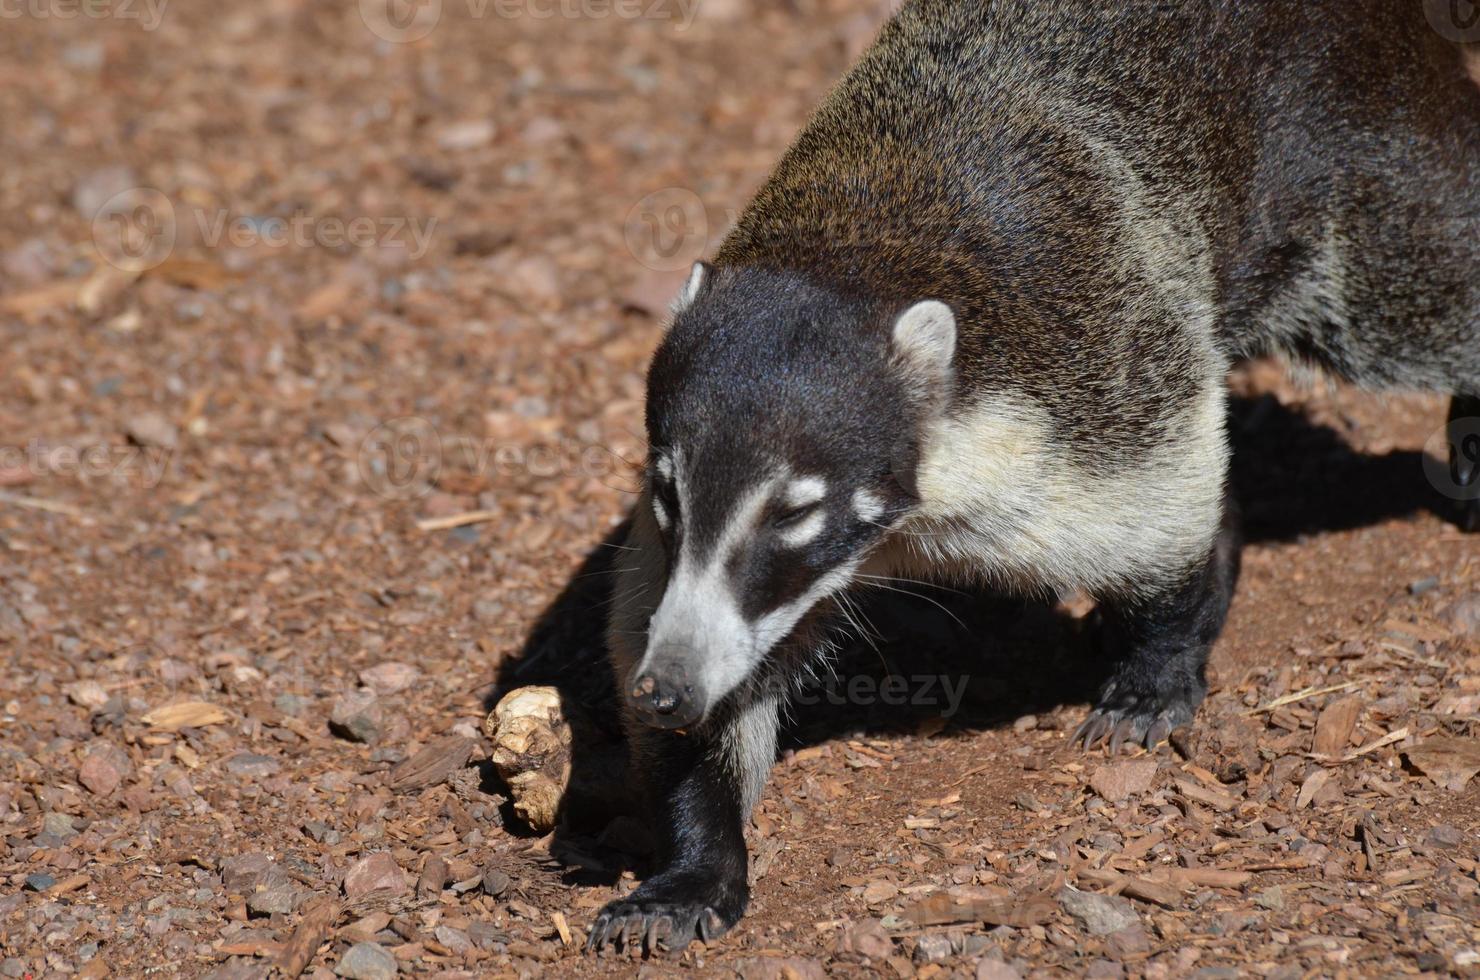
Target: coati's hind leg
(1161, 644)
(1464, 457)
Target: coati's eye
(792, 517)
(665, 503)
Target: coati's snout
(664, 692)
(785, 423)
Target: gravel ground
(324, 335)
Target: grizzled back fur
(1162, 187)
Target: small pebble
(366, 961)
(1423, 586)
(252, 764)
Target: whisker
(917, 595)
(912, 581)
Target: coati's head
(785, 422)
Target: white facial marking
(664, 466)
(661, 513)
(868, 506)
(806, 530)
(804, 491)
(774, 626)
(700, 612)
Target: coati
(977, 325)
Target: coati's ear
(699, 277)
(924, 340)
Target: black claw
(1096, 728)
(599, 929)
(1123, 731)
(651, 938)
(711, 926)
(654, 927)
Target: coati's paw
(1128, 717)
(658, 920)
(654, 926)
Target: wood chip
(1386, 740)
(1451, 762)
(562, 927)
(67, 885)
(1144, 889)
(946, 908)
(432, 764)
(187, 714)
(1211, 877)
(1312, 785)
(1309, 692)
(1212, 798)
(36, 503)
(458, 520)
(1334, 727)
(311, 933)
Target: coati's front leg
(1464, 457)
(1161, 642)
(701, 787)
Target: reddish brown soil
(572, 164)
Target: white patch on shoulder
(1001, 502)
(868, 506)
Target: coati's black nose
(665, 699)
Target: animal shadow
(918, 658)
